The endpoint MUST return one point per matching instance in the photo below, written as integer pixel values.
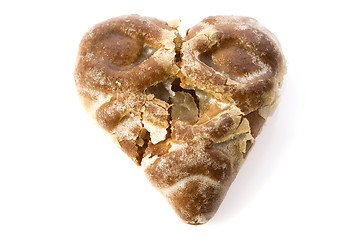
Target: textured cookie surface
(186, 110)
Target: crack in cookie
(186, 109)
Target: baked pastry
(186, 110)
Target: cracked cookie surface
(186, 110)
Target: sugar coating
(191, 144)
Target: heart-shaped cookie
(186, 110)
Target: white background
(61, 177)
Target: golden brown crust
(120, 58)
(234, 58)
(186, 111)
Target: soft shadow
(265, 157)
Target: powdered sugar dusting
(186, 161)
(257, 25)
(124, 129)
(93, 99)
(249, 76)
(176, 147)
(148, 160)
(204, 180)
(97, 76)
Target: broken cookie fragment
(186, 110)
(155, 119)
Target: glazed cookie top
(235, 58)
(118, 60)
(186, 110)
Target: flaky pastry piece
(186, 110)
